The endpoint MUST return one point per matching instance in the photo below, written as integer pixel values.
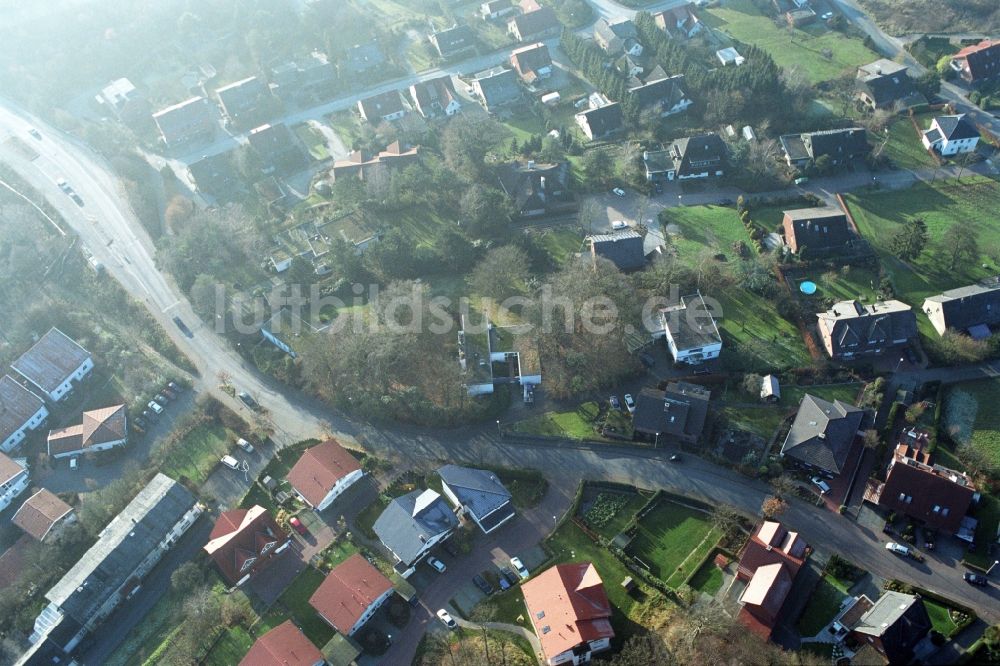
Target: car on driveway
(245, 445)
(148, 415)
(161, 398)
(511, 577)
(618, 192)
(230, 462)
(823, 486)
(298, 526)
(897, 549)
(613, 400)
(248, 400)
(481, 583)
(438, 565)
(35, 133)
(157, 409)
(617, 225)
(629, 403)
(519, 567)
(976, 579)
(448, 620)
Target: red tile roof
(98, 426)
(927, 487)
(243, 542)
(285, 645)
(770, 544)
(40, 513)
(975, 48)
(348, 591)
(320, 468)
(568, 606)
(9, 468)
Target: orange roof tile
(348, 591)
(285, 645)
(40, 513)
(320, 468)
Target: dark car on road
(481, 583)
(183, 327)
(976, 579)
(248, 400)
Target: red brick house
(768, 564)
(245, 541)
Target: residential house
(241, 99)
(532, 62)
(851, 330)
(570, 611)
(951, 135)
(122, 99)
(496, 87)
(43, 515)
(973, 309)
(13, 480)
(699, 156)
(623, 248)
(729, 56)
(364, 166)
(351, 593)
(295, 79)
(660, 95)
(279, 150)
(479, 495)
(677, 413)
(515, 352)
(768, 565)
(937, 496)
(885, 84)
(20, 411)
(100, 430)
(532, 26)
(618, 36)
(244, 542)
(189, 121)
(285, 645)
(382, 107)
(770, 389)
(112, 570)
(894, 626)
(823, 434)
(822, 230)
(323, 472)
(632, 66)
(839, 146)
(601, 122)
(536, 189)
(453, 41)
(216, 176)
(978, 63)
(435, 96)
(803, 16)
(53, 364)
(679, 22)
(413, 524)
(494, 9)
(690, 330)
(361, 59)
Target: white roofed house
(479, 494)
(54, 363)
(690, 330)
(13, 480)
(20, 411)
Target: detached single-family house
(43, 515)
(413, 524)
(701, 156)
(822, 230)
(13, 480)
(601, 122)
(679, 22)
(215, 175)
(532, 26)
(623, 248)
(974, 309)
(285, 645)
(618, 36)
(951, 135)
(454, 40)
(894, 625)
(690, 330)
(364, 166)
(296, 79)
(479, 494)
(839, 146)
(244, 542)
(279, 150)
(362, 58)
(659, 95)
(53, 364)
(978, 63)
(351, 593)
(768, 566)
(323, 473)
(729, 56)
(536, 189)
(532, 62)
(435, 96)
(823, 434)
(191, 120)
(494, 9)
(677, 413)
(20, 411)
(885, 84)
(242, 98)
(569, 608)
(496, 87)
(382, 107)
(99, 430)
(851, 330)
(124, 101)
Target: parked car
(897, 548)
(168, 394)
(614, 403)
(826, 16)
(230, 462)
(629, 403)
(801, 181)
(298, 526)
(248, 400)
(157, 409)
(519, 567)
(976, 579)
(35, 133)
(139, 421)
(618, 192)
(183, 327)
(448, 620)
(511, 577)
(619, 224)
(148, 415)
(74, 464)
(174, 386)
(438, 565)
(245, 445)
(63, 185)
(481, 583)
(76, 198)
(823, 486)
(504, 583)
(161, 398)
(675, 458)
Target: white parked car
(618, 192)
(438, 565)
(827, 16)
(897, 548)
(617, 225)
(155, 406)
(448, 620)
(519, 567)
(630, 403)
(245, 445)
(230, 462)
(823, 486)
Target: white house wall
(11, 490)
(339, 488)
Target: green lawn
(199, 454)
(296, 600)
(576, 424)
(969, 416)
(231, 648)
(561, 243)
(699, 230)
(338, 551)
(367, 517)
(940, 619)
(151, 632)
(752, 329)
(505, 607)
(843, 284)
(799, 49)
(973, 201)
(671, 540)
(708, 579)
(764, 419)
(314, 142)
(904, 146)
(761, 420)
(821, 608)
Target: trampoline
(808, 287)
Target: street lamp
(898, 363)
(499, 431)
(657, 445)
(990, 570)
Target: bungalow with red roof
(43, 514)
(350, 594)
(769, 564)
(244, 541)
(100, 430)
(285, 645)
(569, 608)
(323, 473)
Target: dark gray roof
(698, 153)
(956, 127)
(412, 520)
(498, 85)
(362, 57)
(819, 228)
(886, 82)
(851, 327)
(216, 175)
(381, 105)
(241, 96)
(17, 405)
(536, 22)
(971, 305)
(454, 40)
(604, 120)
(679, 411)
(690, 323)
(839, 144)
(51, 360)
(661, 92)
(127, 540)
(623, 248)
(480, 491)
(822, 433)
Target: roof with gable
(17, 406)
(535, 22)
(658, 90)
(453, 40)
(528, 60)
(852, 328)
(497, 86)
(886, 82)
(98, 426)
(533, 185)
(955, 128)
(39, 514)
(822, 433)
(479, 490)
(438, 92)
(899, 621)
(51, 360)
(837, 143)
(603, 120)
(969, 306)
(243, 542)
(568, 605)
(285, 645)
(348, 591)
(241, 96)
(410, 521)
(9, 468)
(696, 154)
(379, 106)
(772, 543)
(320, 468)
(768, 587)
(363, 57)
(678, 411)
(823, 228)
(982, 59)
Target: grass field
(199, 453)
(708, 579)
(752, 328)
(822, 607)
(973, 201)
(697, 231)
(844, 284)
(575, 424)
(764, 419)
(904, 146)
(314, 142)
(671, 540)
(791, 49)
(506, 607)
(940, 619)
(296, 600)
(231, 648)
(561, 243)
